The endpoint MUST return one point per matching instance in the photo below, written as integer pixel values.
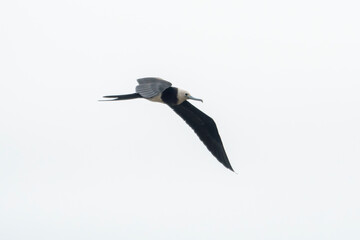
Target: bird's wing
(205, 127)
(150, 87)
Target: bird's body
(159, 90)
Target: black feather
(205, 127)
(122, 97)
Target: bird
(158, 90)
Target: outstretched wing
(150, 87)
(205, 127)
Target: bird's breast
(169, 96)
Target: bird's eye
(186, 94)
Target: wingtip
(228, 165)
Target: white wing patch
(150, 87)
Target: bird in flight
(159, 90)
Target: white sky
(280, 78)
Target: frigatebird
(159, 90)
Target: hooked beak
(195, 99)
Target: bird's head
(185, 95)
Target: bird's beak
(196, 99)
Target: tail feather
(122, 97)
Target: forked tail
(122, 97)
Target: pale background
(281, 79)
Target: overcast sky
(280, 78)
